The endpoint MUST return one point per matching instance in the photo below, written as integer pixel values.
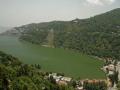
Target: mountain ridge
(98, 35)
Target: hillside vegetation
(98, 35)
(14, 75)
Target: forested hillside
(98, 35)
(14, 75)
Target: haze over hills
(59, 44)
(98, 35)
(3, 29)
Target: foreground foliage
(15, 75)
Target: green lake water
(53, 59)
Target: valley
(60, 45)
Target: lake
(53, 59)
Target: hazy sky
(19, 12)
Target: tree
(101, 85)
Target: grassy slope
(53, 59)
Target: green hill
(98, 35)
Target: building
(67, 79)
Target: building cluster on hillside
(59, 79)
(63, 80)
(111, 68)
(89, 81)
